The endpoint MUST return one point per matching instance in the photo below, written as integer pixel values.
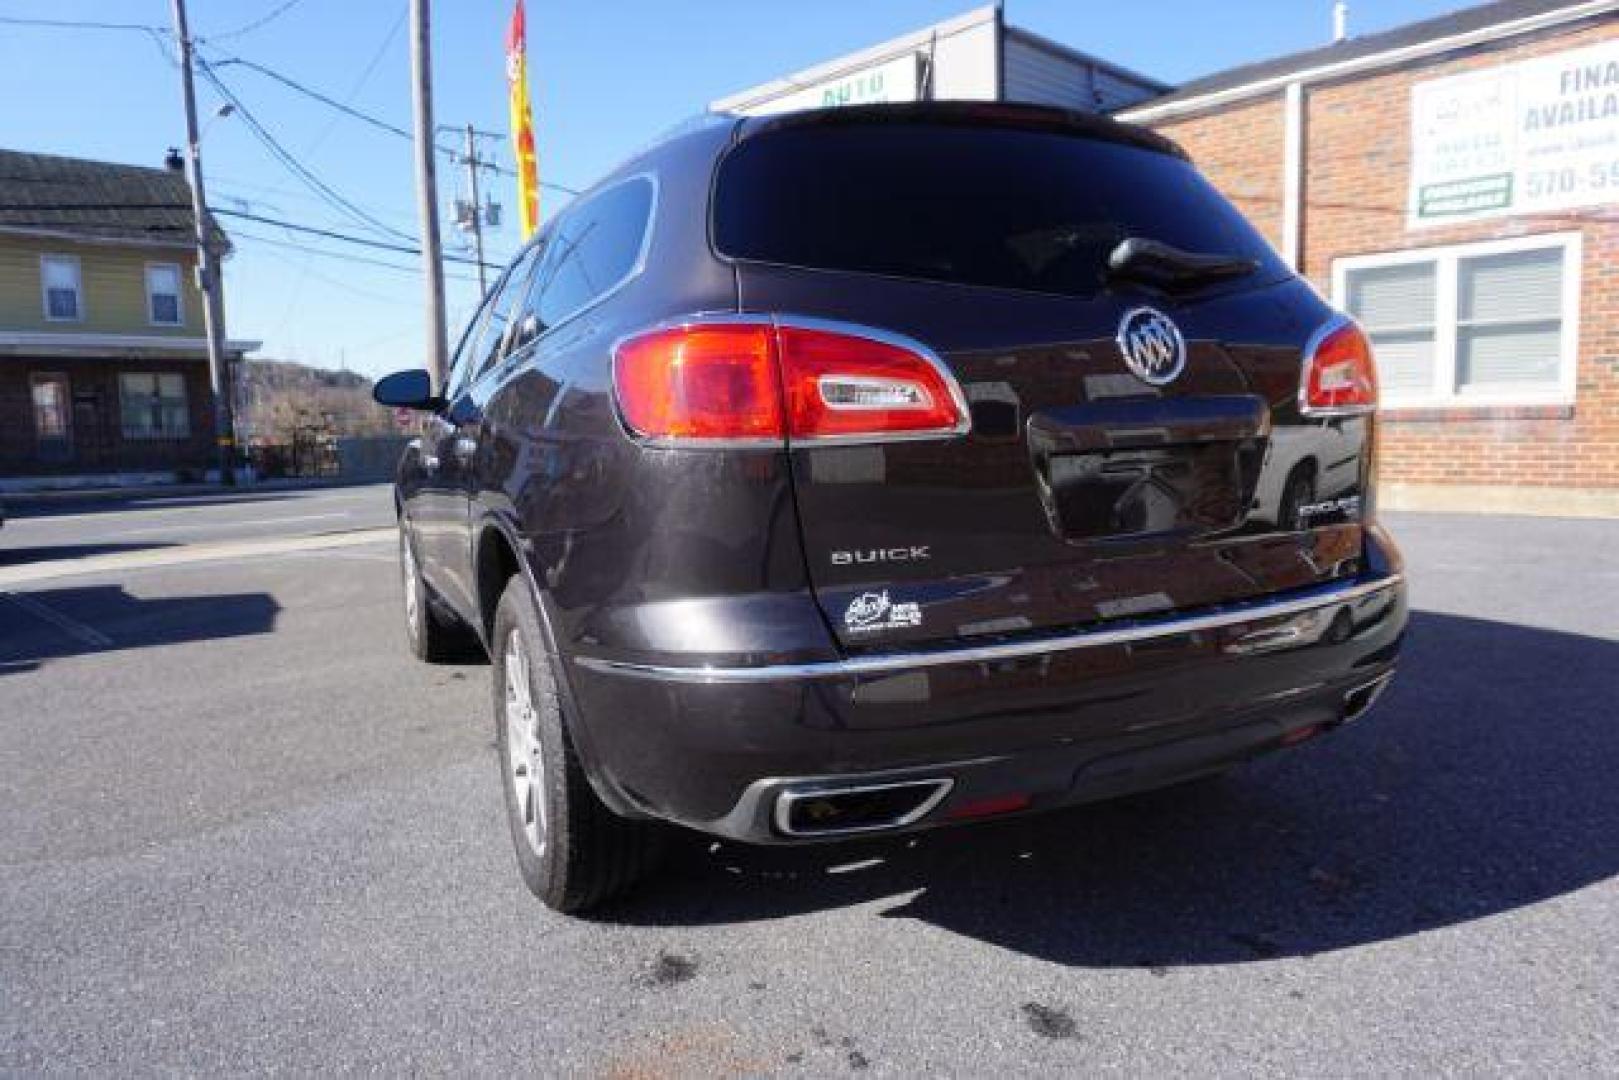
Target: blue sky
(605, 76)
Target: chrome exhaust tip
(1363, 697)
(835, 810)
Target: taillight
(747, 381)
(1339, 377)
(851, 386)
(711, 381)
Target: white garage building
(973, 57)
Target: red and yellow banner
(528, 170)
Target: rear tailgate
(1082, 493)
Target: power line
(158, 35)
(345, 237)
(66, 24)
(364, 77)
(281, 154)
(279, 11)
(347, 110)
(341, 256)
(364, 117)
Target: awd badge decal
(875, 611)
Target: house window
(59, 275)
(163, 294)
(1476, 324)
(153, 405)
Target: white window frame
(1443, 394)
(47, 258)
(179, 293)
(157, 388)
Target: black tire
(1298, 493)
(433, 637)
(581, 853)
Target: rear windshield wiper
(1151, 262)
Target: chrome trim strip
(781, 814)
(856, 666)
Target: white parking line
(87, 635)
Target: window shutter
(1404, 362)
(1509, 319)
(1395, 305)
(1393, 297)
(1524, 285)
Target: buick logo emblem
(1152, 345)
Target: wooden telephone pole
(421, 77)
(209, 278)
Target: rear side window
(592, 250)
(975, 206)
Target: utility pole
(472, 215)
(209, 278)
(421, 77)
(477, 207)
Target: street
(74, 528)
(243, 830)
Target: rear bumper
(1053, 720)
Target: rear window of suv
(1009, 208)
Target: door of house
(89, 429)
(53, 420)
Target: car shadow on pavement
(48, 624)
(1484, 782)
(22, 556)
(23, 507)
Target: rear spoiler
(987, 114)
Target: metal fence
(314, 455)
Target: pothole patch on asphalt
(1049, 1023)
(670, 969)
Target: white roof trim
(56, 343)
(832, 69)
(1359, 64)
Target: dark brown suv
(871, 469)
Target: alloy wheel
(413, 598)
(525, 759)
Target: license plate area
(1149, 492)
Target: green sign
(1465, 197)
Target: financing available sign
(1526, 138)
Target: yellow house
(103, 359)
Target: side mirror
(407, 390)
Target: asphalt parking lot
(243, 831)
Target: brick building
(1454, 184)
(103, 362)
